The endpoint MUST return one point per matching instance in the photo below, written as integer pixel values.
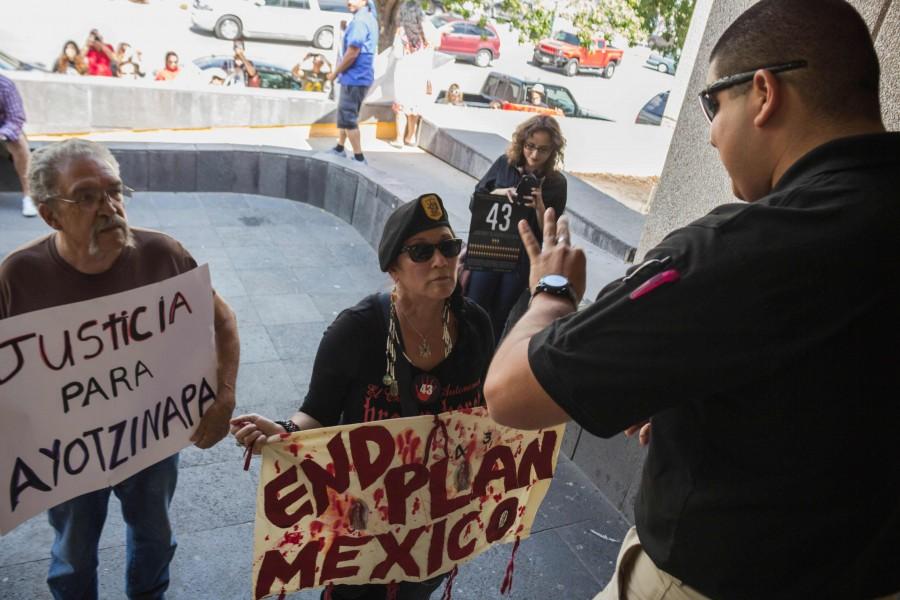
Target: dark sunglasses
(708, 102)
(422, 252)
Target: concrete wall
(69, 104)
(693, 180)
(359, 195)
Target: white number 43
(494, 215)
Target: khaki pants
(637, 578)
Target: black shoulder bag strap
(402, 368)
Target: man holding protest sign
(92, 254)
(437, 351)
(761, 339)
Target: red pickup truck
(564, 50)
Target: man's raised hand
(556, 256)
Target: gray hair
(48, 162)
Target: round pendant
(387, 380)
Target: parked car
(652, 112)
(313, 21)
(564, 51)
(511, 93)
(663, 64)
(271, 76)
(468, 40)
(11, 63)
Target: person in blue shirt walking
(355, 73)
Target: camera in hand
(526, 185)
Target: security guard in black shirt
(762, 339)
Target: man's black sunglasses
(422, 252)
(710, 105)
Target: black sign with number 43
(494, 243)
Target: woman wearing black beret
(420, 349)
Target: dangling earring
(445, 317)
(390, 376)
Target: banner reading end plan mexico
(95, 391)
(395, 500)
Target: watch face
(556, 281)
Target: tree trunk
(387, 21)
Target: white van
(313, 21)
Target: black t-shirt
(771, 369)
(35, 276)
(347, 381)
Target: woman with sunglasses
(420, 349)
(535, 153)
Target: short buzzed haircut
(842, 76)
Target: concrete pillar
(693, 180)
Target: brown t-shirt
(35, 276)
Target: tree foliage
(666, 20)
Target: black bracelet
(289, 426)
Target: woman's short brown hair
(515, 151)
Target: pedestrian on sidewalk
(243, 72)
(414, 53)
(129, 62)
(761, 339)
(70, 61)
(435, 335)
(535, 153)
(171, 70)
(101, 57)
(355, 73)
(12, 135)
(93, 252)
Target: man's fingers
(644, 436)
(549, 227)
(562, 231)
(532, 247)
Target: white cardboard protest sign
(95, 391)
(395, 500)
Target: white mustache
(108, 222)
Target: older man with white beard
(93, 252)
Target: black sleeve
(555, 190)
(488, 183)
(336, 367)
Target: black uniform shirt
(771, 370)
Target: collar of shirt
(840, 155)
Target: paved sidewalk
(287, 269)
